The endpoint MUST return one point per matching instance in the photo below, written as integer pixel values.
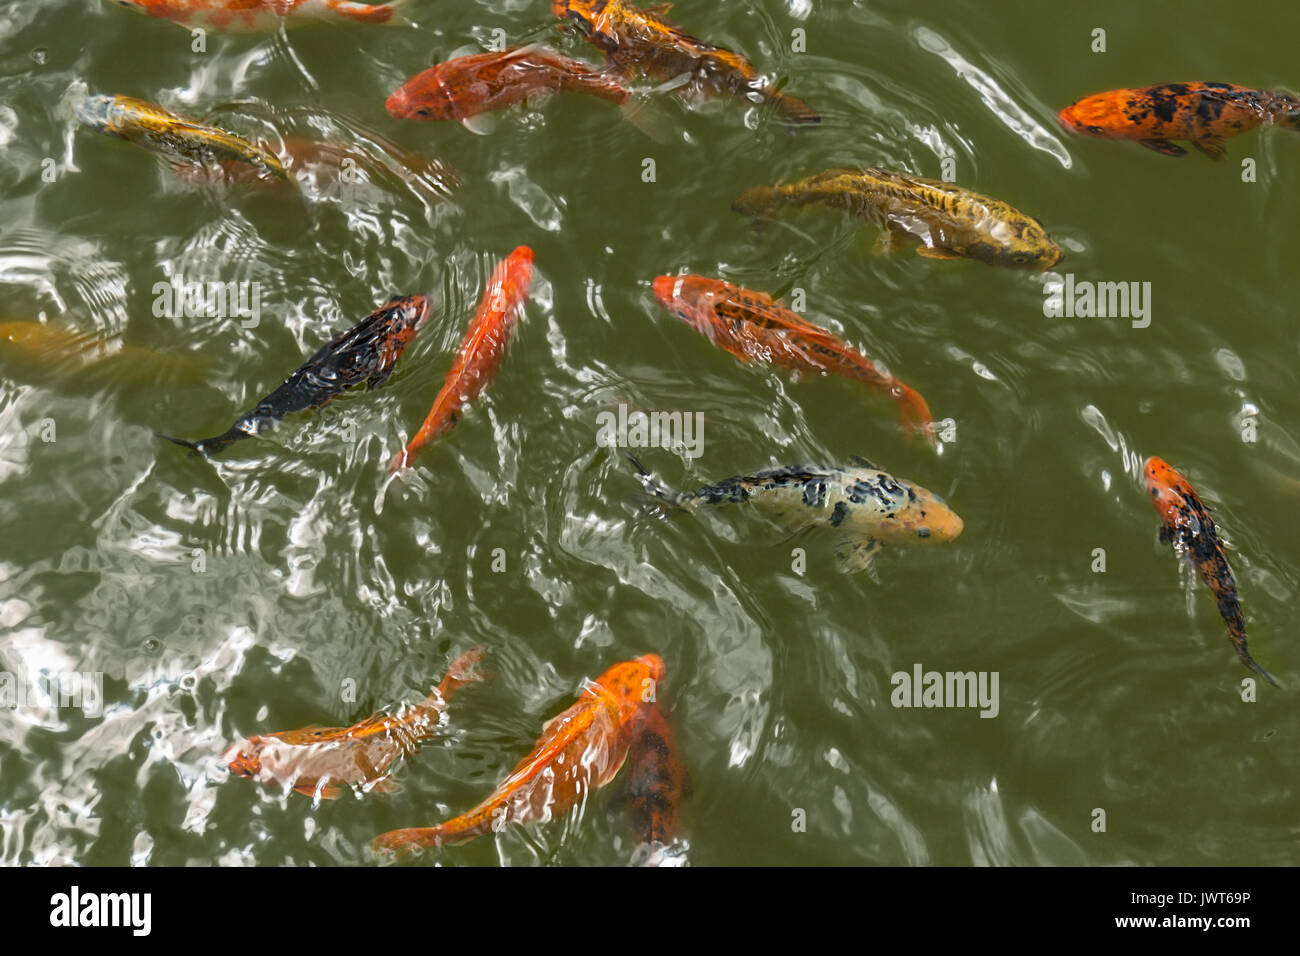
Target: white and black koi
(867, 506)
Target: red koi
(481, 351)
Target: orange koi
(756, 329)
(642, 41)
(469, 85)
(246, 16)
(657, 784)
(579, 752)
(1187, 524)
(322, 760)
(1203, 114)
(481, 351)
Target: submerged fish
(38, 350)
(947, 221)
(756, 329)
(176, 137)
(579, 752)
(1188, 525)
(642, 41)
(480, 353)
(657, 783)
(366, 353)
(321, 761)
(245, 16)
(867, 506)
(1203, 114)
(469, 85)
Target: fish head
(430, 95)
(692, 298)
(405, 315)
(1095, 115)
(633, 684)
(511, 280)
(1170, 493)
(245, 759)
(1019, 243)
(918, 516)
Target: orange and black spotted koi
(639, 41)
(1187, 524)
(756, 329)
(366, 353)
(1203, 114)
(657, 785)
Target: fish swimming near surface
(176, 137)
(366, 353)
(755, 329)
(641, 41)
(37, 351)
(657, 783)
(468, 85)
(1188, 525)
(944, 221)
(866, 505)
(321, 761)
(480, 353)
(579, 752)
(248, 16)
(1202, 114)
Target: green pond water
(247, 594)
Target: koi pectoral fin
(855, 554)
(892, 240)
(1163, 147)
(937, 252)
(1211, 146)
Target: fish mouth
(655, 664)
(423, 309)
(666, 288)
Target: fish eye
(422, 111)
(923, 532)
(1020, 259)
(1094, 129)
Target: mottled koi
(756, 329)
(248, 16)
(579, 752)
(480, 353)
(1203, 114)
(1187, 524)
(366, 353)
(866, 505)
(943, 220)
(641, 41)
(469, 85)
(169, 134)
(321, 761)
(657, 783)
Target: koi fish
(866, 505)
(755, 329)
(1187, 524)
(1203, 114)
(947, 221)
(469, 85)
(248, 16)
(173, 136)
(366, 353)
(481, 351)
(642, 41)
(321, 761)
(579, 752)
(657, 784)
(37, 349)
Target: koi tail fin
(914, 414)
(461, 673)
(367, 12)
(795, 110)
(654, 487)
(209, 446)
(642, 115)
(402, 842)
(1239, 640)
